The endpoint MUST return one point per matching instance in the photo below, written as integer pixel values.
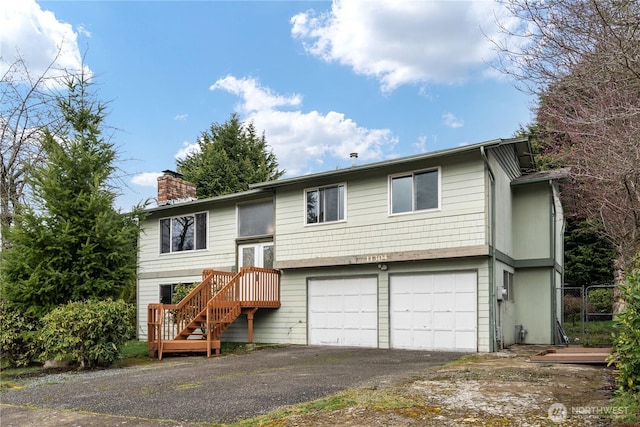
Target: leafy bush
(87, 333)
(626, 345)
(572, 308)
(181, 290)
(19, 344)
(601, 300)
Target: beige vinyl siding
(369, 228)
(186, 267)
(149, 293)
(285, 325)
(220, 245)
(531, 222)
(503, 207)
(288, 324)
(532, 286)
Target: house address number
(376, 258)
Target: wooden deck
(196, 323)
(573, 354)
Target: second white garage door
(434, 311)
(343, 312)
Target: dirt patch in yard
(499, 389)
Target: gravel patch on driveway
(215, 390)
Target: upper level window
(183, 233)
(255, 219)
(415, 191)
(325, 204)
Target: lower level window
(166, 294)
(173, 293)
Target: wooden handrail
(217, 300)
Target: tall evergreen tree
(589, 258)
(72, 244)
(231, 156)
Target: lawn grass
(597, 333)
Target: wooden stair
(197, 322)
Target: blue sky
(321, 79)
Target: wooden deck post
(250, 312)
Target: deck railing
(215, 301)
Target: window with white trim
(183, 233)
(415, 191)
(325, 204)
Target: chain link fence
(587, 314)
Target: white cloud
(255, 97)
(146, 179)
(187, 148)
(421, 145)
(83, 30)
(302, 140)
(450, 120)
(404, 42)
(180, 117)
(38, 37)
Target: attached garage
(434, 311)
(343, 311)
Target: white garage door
(434, 311)
(343, 312)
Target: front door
(253, 255)
(256, 255)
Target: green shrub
(626, 344)
(181, 290)
(19, 344)
(601, 300)
(87, 333)
(572, 308)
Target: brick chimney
(172, 188)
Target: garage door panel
(443, 340)
(422, 339)
(422, 302)
(443, 321)
(466, 340)
(444, 283)
(434, 311)
(350, 316)
(465, 321)
(404, 318)
(402, 302)
(422, 320)
(464, 301)
(443, 301)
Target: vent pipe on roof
(354, 157)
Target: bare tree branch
(582, 59)
(27, 106)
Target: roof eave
(217, 199)
(387, 163)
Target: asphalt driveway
(216, 390)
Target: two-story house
(458, 250)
